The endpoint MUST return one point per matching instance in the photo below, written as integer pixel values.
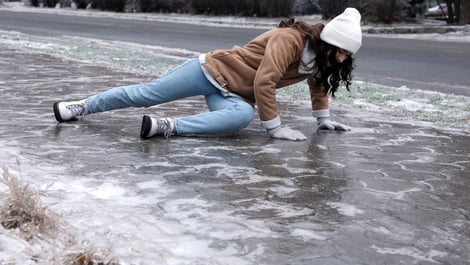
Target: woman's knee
(244, 114)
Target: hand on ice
(286, 133)
(325, 123)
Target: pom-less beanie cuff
(344, 31)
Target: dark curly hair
(325, 77)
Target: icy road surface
(388, 192)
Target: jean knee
(245, 114)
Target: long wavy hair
(325, 77)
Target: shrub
(177, 6)
(82, 4)
(331, 8)
(387, 11)
(305, 7)
(382, 11)
(110, 5)
(50, 3)
(263, 8)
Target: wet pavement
(384, 193)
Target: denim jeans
(227, 114)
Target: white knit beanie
(344, 31)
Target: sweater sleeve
(281, 51)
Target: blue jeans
(227, 114)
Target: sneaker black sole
(146, 127)
(55, 107)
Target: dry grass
(22, 212)
(22, 209)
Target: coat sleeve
(281, 51)
(319, 99)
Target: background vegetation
(381, 11)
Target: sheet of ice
(396, 190)
(346, 209)
(413, 252)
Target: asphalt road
(421, 64)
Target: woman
(233, 81)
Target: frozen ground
(394, 190)
(403, 103)
(384, 193)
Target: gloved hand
(324, 123)
(286, 133)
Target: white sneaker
(153, 127)
(70, 111)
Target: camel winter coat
(268, 62)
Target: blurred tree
(332, 8)
(305, 7)
(380, 11)
(269, 8)
(465, 12)
(81, 4)
(110, 5)
(50, 3)
(453, 11)
(415, 8)
(279, 8)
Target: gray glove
(286, 133)
(324, 123)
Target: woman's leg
(227, 115)
(184, 81)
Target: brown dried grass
(22, 212)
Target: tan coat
(268, 62)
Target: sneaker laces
(164, 127)
(77, 110)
